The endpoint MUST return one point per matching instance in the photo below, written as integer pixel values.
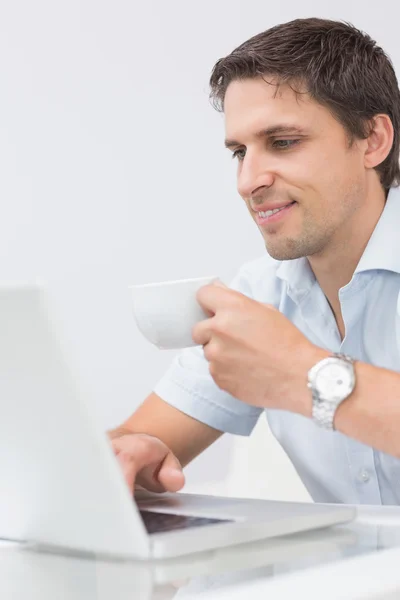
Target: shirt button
(364, 476)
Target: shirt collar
(382, 251)
(298, 276)
(383, 248)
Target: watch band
(323, 411)
(346, 357)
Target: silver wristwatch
(331, 381)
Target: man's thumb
(170, 474)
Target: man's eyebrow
(270, 132)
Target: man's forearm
(371, 414)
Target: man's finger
(201, 332)
(213, 296)
(128, 467)
(220, 284)
(170, 475)
(138, 453)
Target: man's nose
(254, 175)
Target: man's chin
(289, 250)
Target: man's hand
(147, 462)
(254, 352)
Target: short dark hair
(340, 67)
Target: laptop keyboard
(162, 522)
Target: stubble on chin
(290, 248)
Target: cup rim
(171, 282)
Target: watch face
(335, 380)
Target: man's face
(293, 154)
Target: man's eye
(284, 144)
(239, 154)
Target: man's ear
(379, 141)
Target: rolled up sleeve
(189, 387)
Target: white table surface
(357, 561)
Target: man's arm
(184, 436)
(258, 356)
(371, 414)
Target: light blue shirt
(332, 466)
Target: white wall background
(113, 172)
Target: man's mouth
(274, 215)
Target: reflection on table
(28, 573)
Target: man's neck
(335, 267)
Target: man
(312, 115)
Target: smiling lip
(276, 216)
(266, 207)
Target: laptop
(61, 487)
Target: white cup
(166, 312)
